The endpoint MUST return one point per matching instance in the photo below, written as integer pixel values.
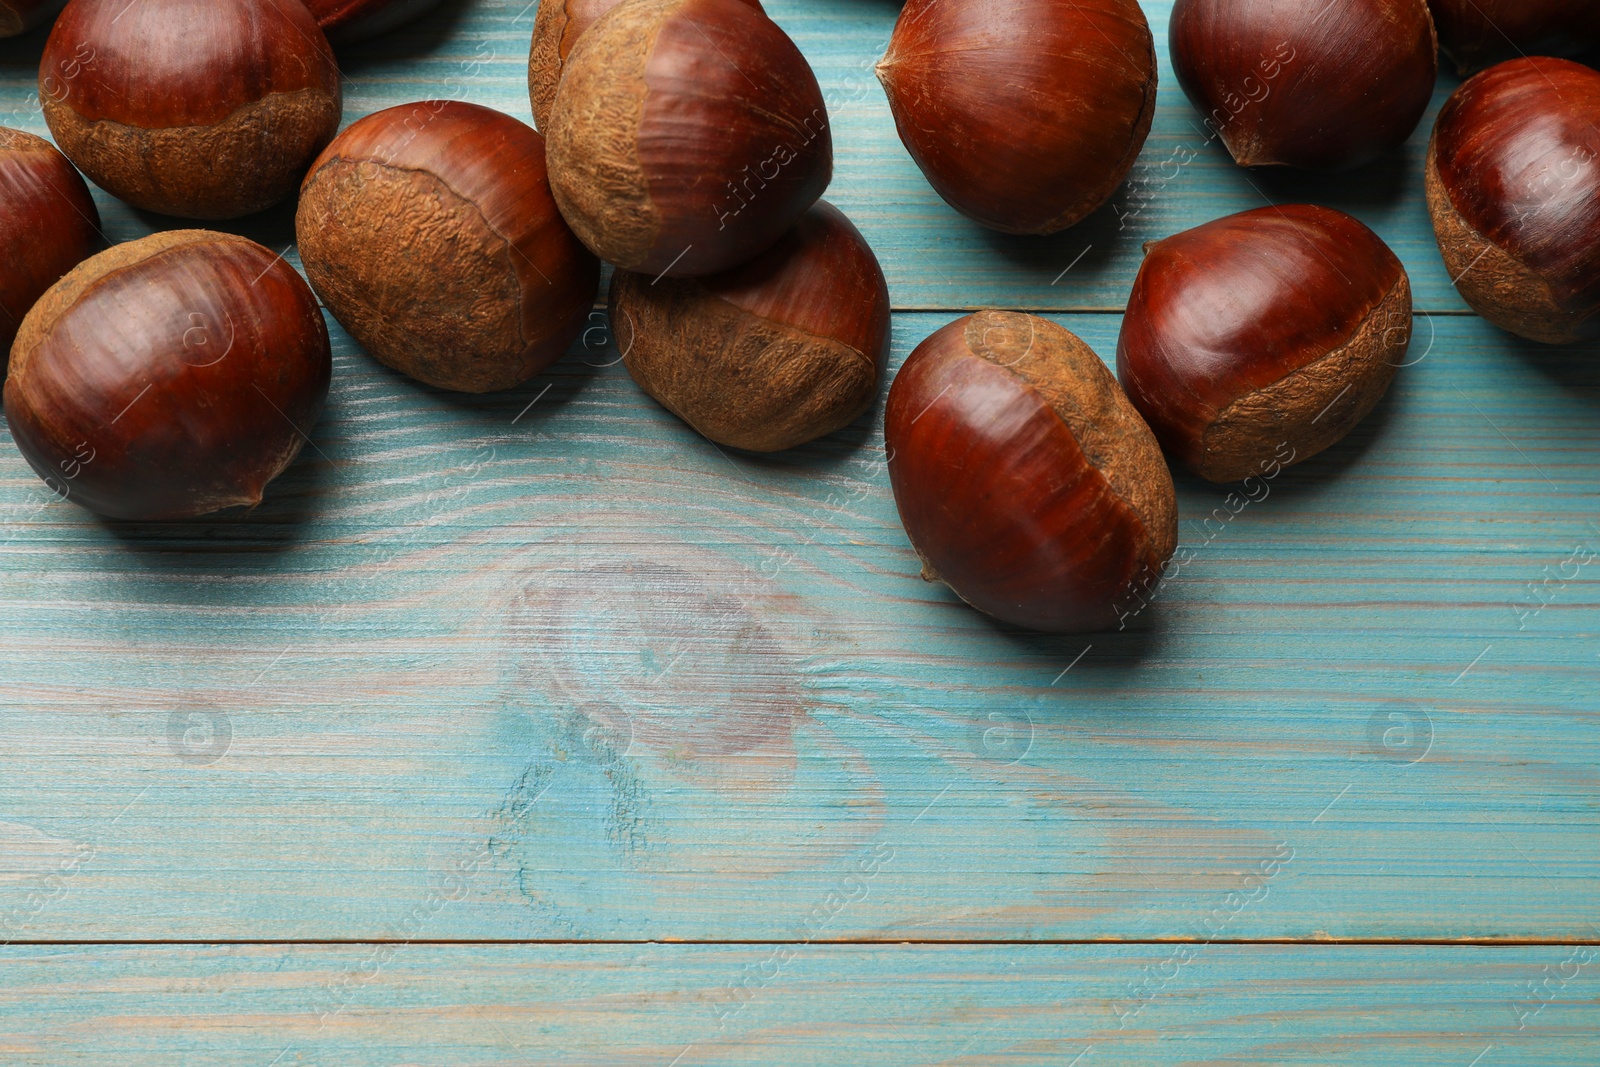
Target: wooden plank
(698, 1005)
(644, 689)
(934, 257)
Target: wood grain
(654, 690)
(546, 665)
(651, 1005)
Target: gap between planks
(1331, 942)
(1042, 309)
(1459, 313)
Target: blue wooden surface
(720, 1006)
(628, 687)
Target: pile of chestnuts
(688, 144)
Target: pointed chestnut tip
(1254, 162)
(1248, 151)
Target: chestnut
(48, 225)
(1258, 340)
(1514, 190)
(207, 109)
(1479, 33)
(1025, 115)
(686, 136)
(556, 28)
(429, 231)
(1024, 477)
(19, 16)
(1320, 86)
(778, 352)
(169, 377)
(350, 21)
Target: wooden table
(533, 728)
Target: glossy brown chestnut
(429, 231)
(1321, 86)
(349, 21)
(556, 29)
(687, 136)
(169, 377)
(778, 352)
(1025, 115)
(1479, 33)
(207, 109)
(19, 16)
(1260, 339)
(1026, 480)
(48, 225)
(1513, 180)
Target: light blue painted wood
(547, 665)
(421, 643)
(693, 1006)
(641, 689)
(477, 50)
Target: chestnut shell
(687, 136)
(207, 109)
(1025, 479)
(556, 28)
(1025, 115)
(1320, 86)
(1513, 181)
(1479, 33)
(1258, 340)
(19, 16)
(169, 377)
(430, 232)
(780, 351)
(48, 225)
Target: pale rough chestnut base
(417, 275)
(739, 379)
(249, 161)
(62, 296)
(1498, 286)
(11, 139)
(1085, 395)
(544, 59)
(595, 172)
(1316, 406)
